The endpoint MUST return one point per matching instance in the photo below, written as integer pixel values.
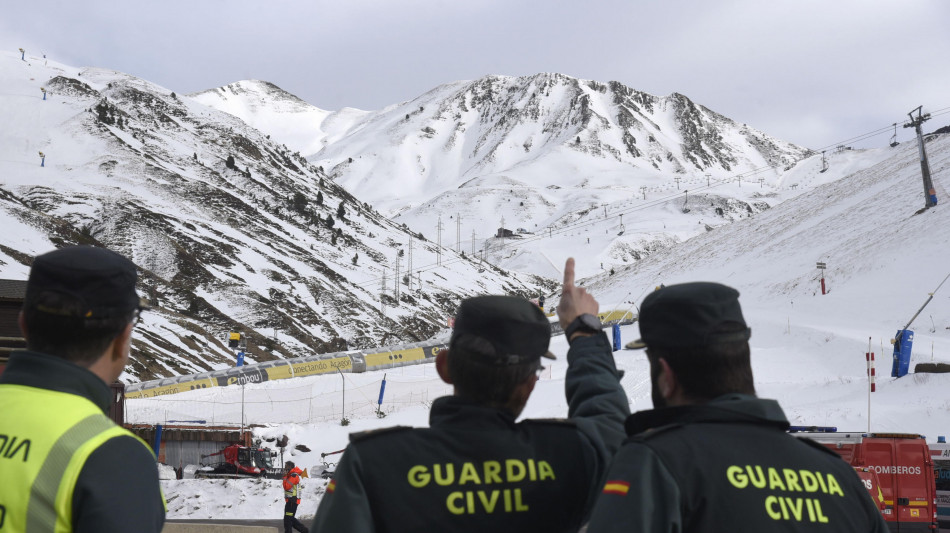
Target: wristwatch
(586, 323)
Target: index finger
(569, 274)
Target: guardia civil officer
(711, 456)
(66, 466)
(476, 469)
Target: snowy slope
(547, 129)
(288, 119)
(257, 246)
(808, 350)
(539, 153)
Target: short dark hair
(486, 384)
(63, 334)
(706, 372)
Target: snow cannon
(903, 341)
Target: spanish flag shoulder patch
(331, 486)
(617, 487)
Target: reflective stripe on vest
(292, 492)
(55, 433)
(40, 512)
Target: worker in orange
(292, 499)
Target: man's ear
(120, 347)
(666, 381)
(442, 365)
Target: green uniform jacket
(728, 465)
(477, 469)
(113, 478)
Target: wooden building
(12, 294)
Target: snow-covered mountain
(281, 115)
(539, 153)
(542, 130)
(232, 231)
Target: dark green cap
(515, 327)
(102, 281)
(688, 314)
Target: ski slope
(808, 349)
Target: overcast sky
(815, 73)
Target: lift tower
(930, 195)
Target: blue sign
(240, 360)
(616, 329)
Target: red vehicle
(873, 484)
(904, 468)
(241, 461)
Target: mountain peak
(256, 93)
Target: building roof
(12, 289)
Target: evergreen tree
(229, 162)
(341, 212)
(356, 257)
(330, 221)
(300, 202)
(319, 198)
(102, 113)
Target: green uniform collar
(729, 408)
(42, 371)
(449, 411)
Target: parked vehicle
(241, 461)
(904, 468)
(940, 453)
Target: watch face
(591, 321)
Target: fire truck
(904, 469)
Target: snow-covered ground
(808, 349)
(860, 218)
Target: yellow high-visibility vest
(45, 439)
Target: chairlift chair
(894, 137)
